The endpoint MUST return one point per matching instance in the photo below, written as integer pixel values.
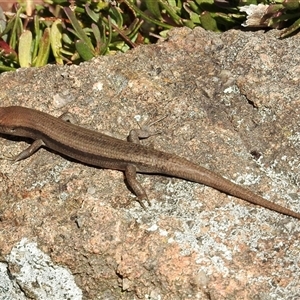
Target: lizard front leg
(68, 117)
(135, 135)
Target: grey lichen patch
(32, 272)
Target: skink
(100, 150)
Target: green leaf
(97, 36)
(116, 16)
(224, 19)
(208, 22)
(84, 50)
(153, 7)
(44, 49)
(17, 29)
(275, 20)
(204, 2)
(288, 31)
(194, 16)
(6, 69)
(172, 12)
(191, 5)
(38, 35)
(120, 46)
(190, 23)
(24, 49)
(133, 28)
(291, 4)
(96, 33)
(56, 40)
(77, 28)
(174, 4)
(106, 40)
(2, 23)
(94, 16)
(145, 16)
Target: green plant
(63, 31)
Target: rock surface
(231, 103)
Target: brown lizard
(97, 149)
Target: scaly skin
(97, 149)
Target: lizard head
(12, 119)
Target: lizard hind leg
(130, 175)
